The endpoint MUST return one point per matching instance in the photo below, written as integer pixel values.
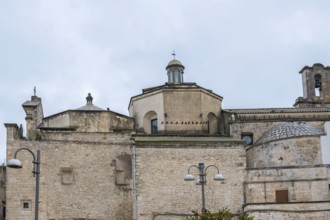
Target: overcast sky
(248, 51)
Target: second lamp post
(202, 179)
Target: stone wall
(162, 163)
(179, 109)
(89, 121)
(187, 111)
(307, 186)
(78, 179)
(294, 211)
(2, 191)
(140, 106)
(288, 152)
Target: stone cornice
(277, 110)
(278, 114)
(159, 140)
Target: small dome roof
(89, 106)
(174, 62)
(288, 130)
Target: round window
(247, 139)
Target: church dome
(174, 63)
(89, 106)
(288, 130)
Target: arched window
(150, 122)
(170, 76)
(154, 126)
(213, 123)
(177, 77)
(318, 84)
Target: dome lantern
(175, 71)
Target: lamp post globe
(218, 177)
(189, 177)
(14, 163)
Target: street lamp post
(15, 163)
(202, 179)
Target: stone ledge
(308, 206)
(141, 140)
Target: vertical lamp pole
(15, 163)
(202, 179)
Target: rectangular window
(177, 76)
(282, 196)
(170, 75)
(154, 126)
(26, 205)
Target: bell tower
(316, 87)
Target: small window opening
(154, 126)
(25, 205)
(318, 85)
(170, 77)
(247, 138)
(177, 76)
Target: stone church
(96, 164)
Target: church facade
(99, 164)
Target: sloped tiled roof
(288, 130)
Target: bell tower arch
(316, 87)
